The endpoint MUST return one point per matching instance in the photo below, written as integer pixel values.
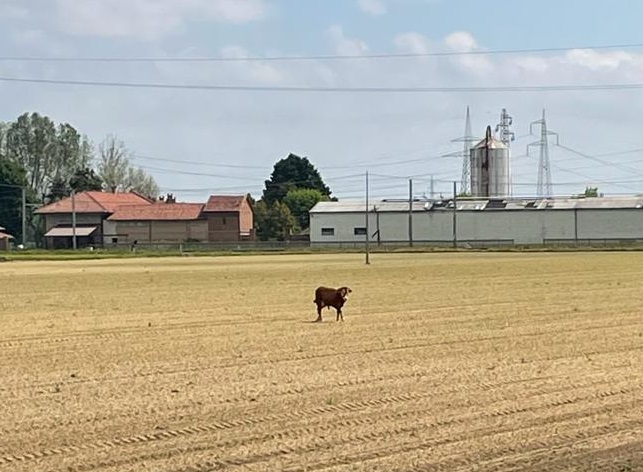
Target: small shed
(5, 240)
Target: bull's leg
(339, 314)
(319, 310)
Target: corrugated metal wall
(522, 227)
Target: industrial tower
(544, 185)
(502, 128)
(507, 137)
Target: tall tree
(291, 173)
(113, 163)
(48, 153)
(141, 182)
(300, 201)
(4, 127)
(30, 143)
(117, 173)
(12, 179)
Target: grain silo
(490, 168)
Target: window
(359, 231)
(328, 231)
(223, 221)
(114, 240)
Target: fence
(353, 246)
(595, 242)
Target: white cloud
(372, 7)
(413, 43)
(601, 60)
(381, 7)
(149, 19)
(461, 41)
(344, 45)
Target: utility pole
(73, 218)
(24, 217)
(455, 217)
(411, 212)
(367, 229)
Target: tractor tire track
(295, 415)
(305, 357)
(307, 389)
(349, 423)
(378, 452)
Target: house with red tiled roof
(230, 218)
(5, 239)
(107, 219)
(91, 209)
(159, 223)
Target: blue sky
(392, 135)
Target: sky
(197, 142)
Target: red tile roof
(224, 203)
(95, 202)
(158, 211)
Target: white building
(480, 222)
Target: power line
(317, 57)
(351, 166)
(200, 163)
(260, 88)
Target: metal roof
(59, 232)
(360, 206)
(508, 204)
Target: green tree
(591, 191)
(284, 222)
(12, 179)
(85, 180)
(58, 190)
(49, 154)
(273, 222)
(262, 221)
(291, 173)
(300, 201)
(82, 180)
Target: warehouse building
(486, 222)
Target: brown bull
(330, 297)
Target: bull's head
(344, 291)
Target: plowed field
(450, 362)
